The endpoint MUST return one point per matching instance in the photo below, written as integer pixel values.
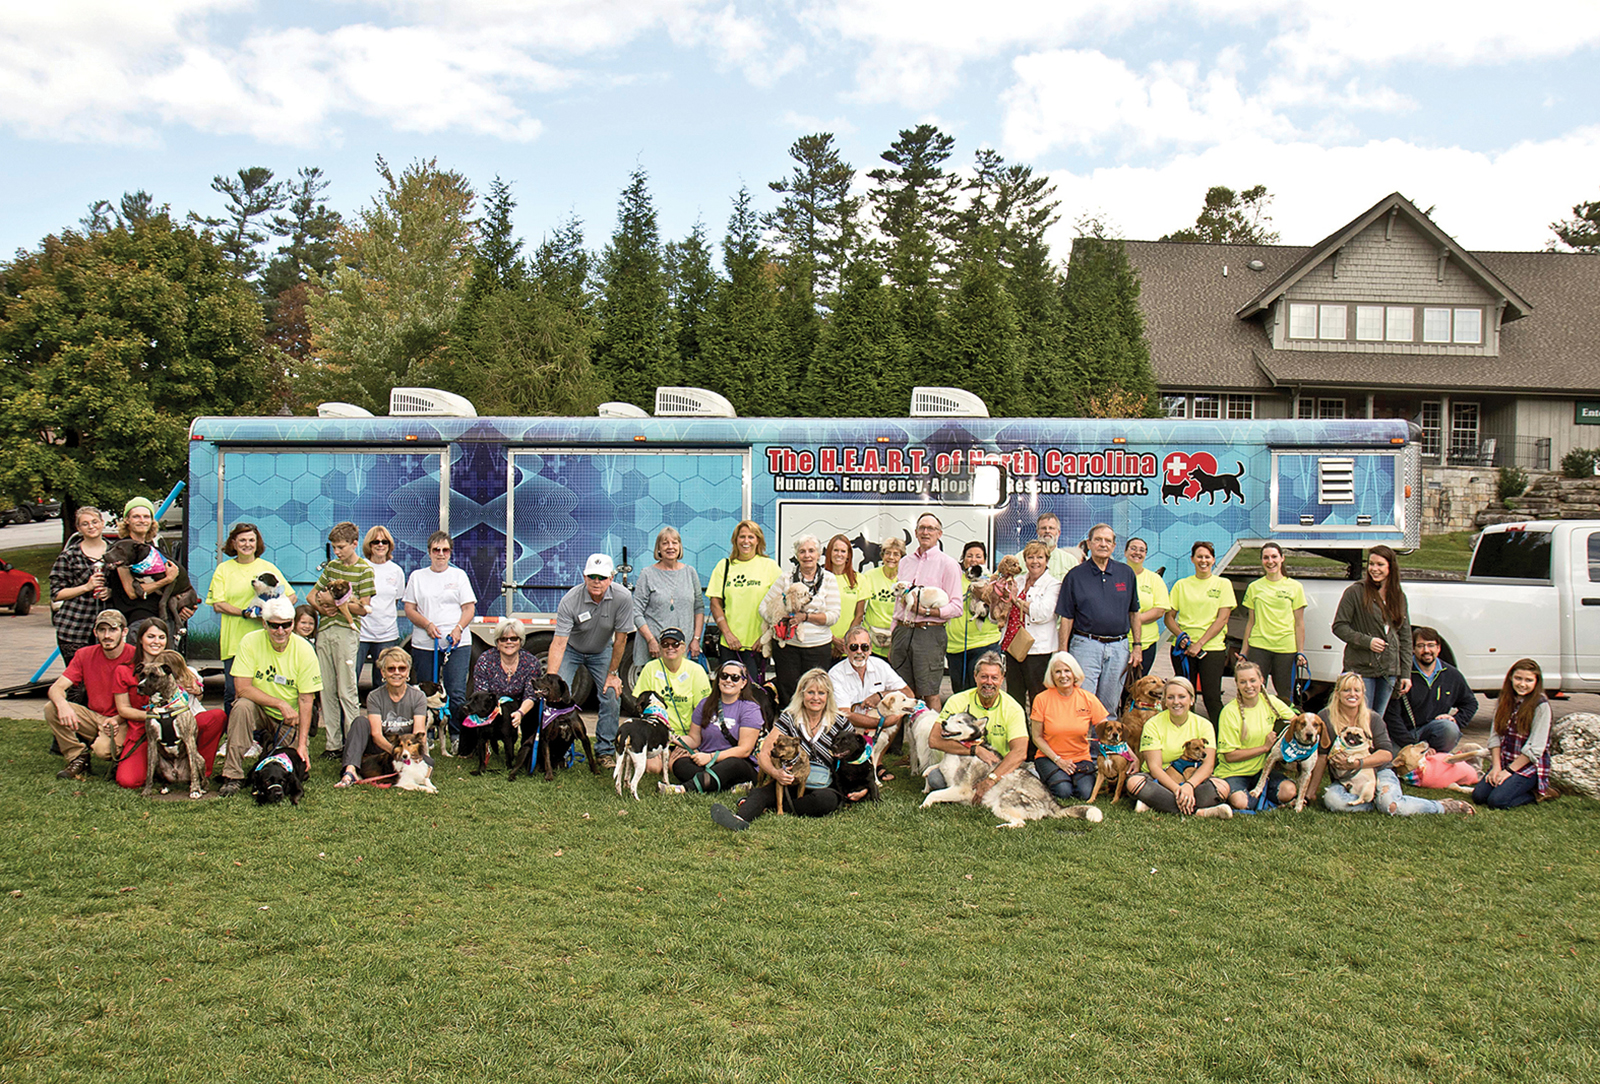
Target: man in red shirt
(78, 728)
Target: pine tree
(635, 351)
(252, 194)
(308, 230)
(692, 283)
(815, 227)
(561, 266)
(982, 348)
(497, 263)
(1107, 355)
(740, 349)
(860, 368)
(1581, 232)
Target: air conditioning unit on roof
(342, 410)
(946, 403)
(423, 402)
(692, 403)
(621, 410)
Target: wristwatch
(993, 778)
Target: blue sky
(1485, 113)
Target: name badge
(583, 615)
(279, 679)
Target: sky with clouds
(1484, 112)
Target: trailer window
(1514, 555)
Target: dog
(267, 588)
(279, 776)
(787, 753)
(1362, 783)
(1144, 704)
(991, 598)
(141, 561)
(1017, 798)
(1422, 765)
(1296, 745)
(881, 639)
(919, 723)
(438, 709)
(1194, 755)
(488, 725)
(921, 600)
(545, 746)
(170, 727)
(1116, 762)
(1212, 484)
(412, 770)
(853, 767)
(778, 620)
(645, 735)
(338, 594)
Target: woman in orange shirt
(1062, 717)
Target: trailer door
(1585, 587)
(562, 504)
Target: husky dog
(1016, 798)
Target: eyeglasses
(397, 669)
(439, 549)
(280, 624)
(857, 648)
(730, 677)
(597, 579)
(385, 542)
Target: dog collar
(474, 721)
(1294, 752)
(559, 713)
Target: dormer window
(1335, 322)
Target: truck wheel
(24, 601)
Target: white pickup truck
(1533, 591)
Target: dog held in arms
(1016, 798)
(139, 565)
(788, 754)
(1362, 783)
(1296, 745)
(645, 735)
(779, 620)
(170, 727)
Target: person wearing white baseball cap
(593, 621)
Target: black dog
(1212, 484)
(553, 737)
(872, 552)
(644, 736)
(766, 698)
(852, 767)
(279, 776)
(176, 597)
(496, 729)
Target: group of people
(1044, 678)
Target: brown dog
(1146, 704)
(787, 753)
(1194, 749)
(1296, 745)
(1117, 759)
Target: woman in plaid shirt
(78, 583)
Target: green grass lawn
(1450, 552)
(552, 932)
(35, 559)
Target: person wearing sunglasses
(861, 679)
(394, 708)
(440, 606)
(277, 679)
(722, 738)
(381, 627)
(682, 684)
(593, 621)
(231, 593)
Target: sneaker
(1140, 807)
(253, 752)
(607, 761)
(740, 788)
(726, 817)
(229, 788)
(669, 788)
(332, 754)
(76, 769)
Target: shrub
(1579, 463)
(1513, 480)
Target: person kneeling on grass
(813, 719)
(276, 679)
(1519, 748)
(1161, 785)
(1348, 708)
(721, 738)
(1005, 743)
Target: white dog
(775, 620)
(920, 721)
(1016, 799)
(922, 600)
(414, 772)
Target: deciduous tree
(1231, 218)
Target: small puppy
(853, 766)
(1194, 755)
(413, 771)
(1144, 705)
(1296, 745)
(1116, 760)
(267, 588)
(779, 621)
(787, 753)
(279, 776)
(170, 727)
(486, 726)
(1423, 766)
(1016, 799)
(882, 639)
(1362, 783)
(645, 735)
(338, 594)
(921, 600)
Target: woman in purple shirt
(721, 738)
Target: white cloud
(806, 124)
(1503, 200)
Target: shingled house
(1494, 354)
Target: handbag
(819, 777)
(1019, 645)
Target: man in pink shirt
(79, 728)
(917, 638)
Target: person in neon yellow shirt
(1198, 608)
(839, 559)
(966, 639)
(230, 594)
(1005, 744)
(1160, 786)
(735, 590)
(877, 588)
(1153, 601)
(1275, 629)
(1245, 735)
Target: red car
(18, 589)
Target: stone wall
(1453, 497)
(1549, 497)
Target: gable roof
(1392, 204)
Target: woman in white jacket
(802, 639)
(1034, 612)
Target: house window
(1330, 408)
(1333, 321)
(1401, 320)
(1435, 325)
(1369, 323)
(1241, 407)
(1207, 406)
(1432, 427)
(1469, 326)
(1463, 431)
(1306, 407)
(1175, 406)
(1302, 321)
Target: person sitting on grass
(1161, 786)
(1519, 748)
(1005, 744)
(133, 706)
(1062, 718)
(276, 679)
(726, 727)
(394, 708)
(1245, 735)
(1348, 707)
(813, 719)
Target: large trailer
(528, 499)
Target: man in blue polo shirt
(1098, 607)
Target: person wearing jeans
(593, 621)
(1347, 708)
(440, 605)
(1099, 611)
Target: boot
(77, 768)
